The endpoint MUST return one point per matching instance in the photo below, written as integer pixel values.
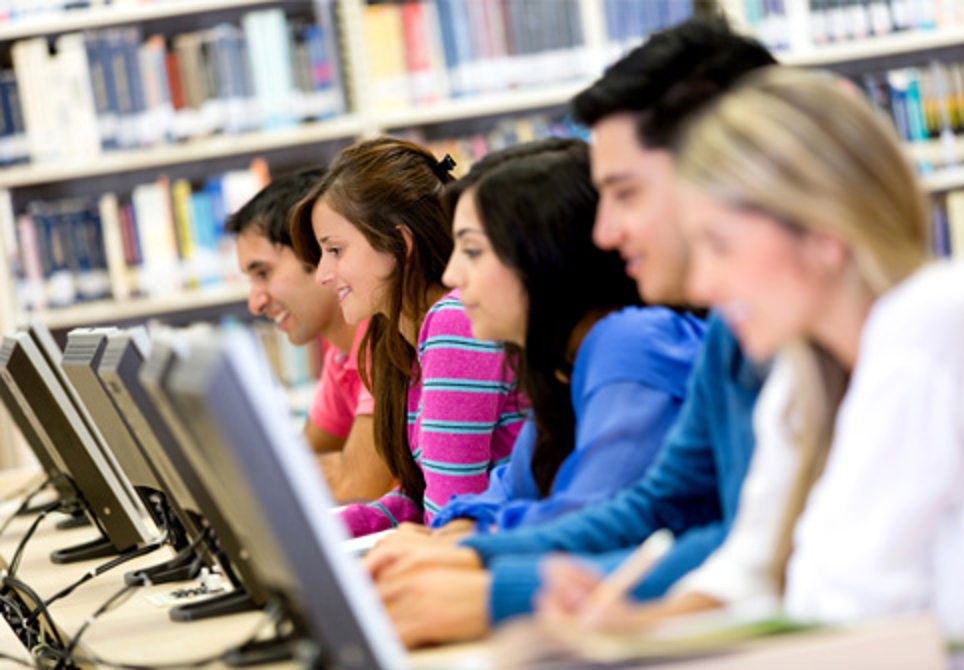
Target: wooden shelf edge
(106, 311)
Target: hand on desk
(570, 592)
(436, 604)
(404, 552)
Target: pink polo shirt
(341, 395)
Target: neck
(841, 323)
(341, 334)
(409, 324)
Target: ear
(828, 251)
(406, 234)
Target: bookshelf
(872, 48)
(113, 311)
(112, 15)
(365, 118)
(201, 149)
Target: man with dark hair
(636, 111)
(339, 426)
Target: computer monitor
(45, 405)
(228, 395)
(118, 370)
(53, 466)
(166, 350)
(82, 356)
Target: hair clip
(443, 167)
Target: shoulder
(447, 327)
(652, 345)
(924, 313)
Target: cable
(272, 611)
(96, 572)
(39, 602)
(75, 640)
(18, 554)
(24, 488)
(25, 504)
(13, 606)
(14, 659)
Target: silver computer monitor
(227, 392)
(45, 404)
(118, 369)
(83, 355)
(166, 351)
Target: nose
(324, 273)
(452, 277)
(605, 230)
(258, 300)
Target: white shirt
(883, 530)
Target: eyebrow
(613, 179)
(464, 231)
(254, 266)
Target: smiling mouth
(281, 316)
(343, 293)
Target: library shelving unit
(802, 52)
(108, 170)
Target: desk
(139, 632)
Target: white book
(161, 271)
(120, 289)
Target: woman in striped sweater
(446, 407)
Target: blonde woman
(809, 233)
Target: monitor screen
(45, 404)
(229, 394)
(166, 351)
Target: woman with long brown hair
(446, 407)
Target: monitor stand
(228, 603)
(99, 548)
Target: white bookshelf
(206, 148)
(876, 47)
(505, 102)
(945, 179)
(107, 311)
(113, 15)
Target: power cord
(273, 612)
(96, 572)
(26, 503)
(41, 608)
(18, 554)
(75, 640)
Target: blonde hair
(806, 149)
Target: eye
(334, 251)
(472, 253)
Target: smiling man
(339, 426)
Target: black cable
(14, 606)
(96, 572)
(272, 610)
(25, 504)
(16, 493)
(14, 659)
(41, 608)
(18, 554)
(75, 640)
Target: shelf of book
(505, 102)
(945, 179)
(874, 47)
(216, 146)
(72, 20)
(111, 311)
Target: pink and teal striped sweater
(463, 418)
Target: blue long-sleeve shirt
(627, 386)
(692, 489)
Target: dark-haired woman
(446, 407)
(605, 379)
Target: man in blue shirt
(636, 111)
